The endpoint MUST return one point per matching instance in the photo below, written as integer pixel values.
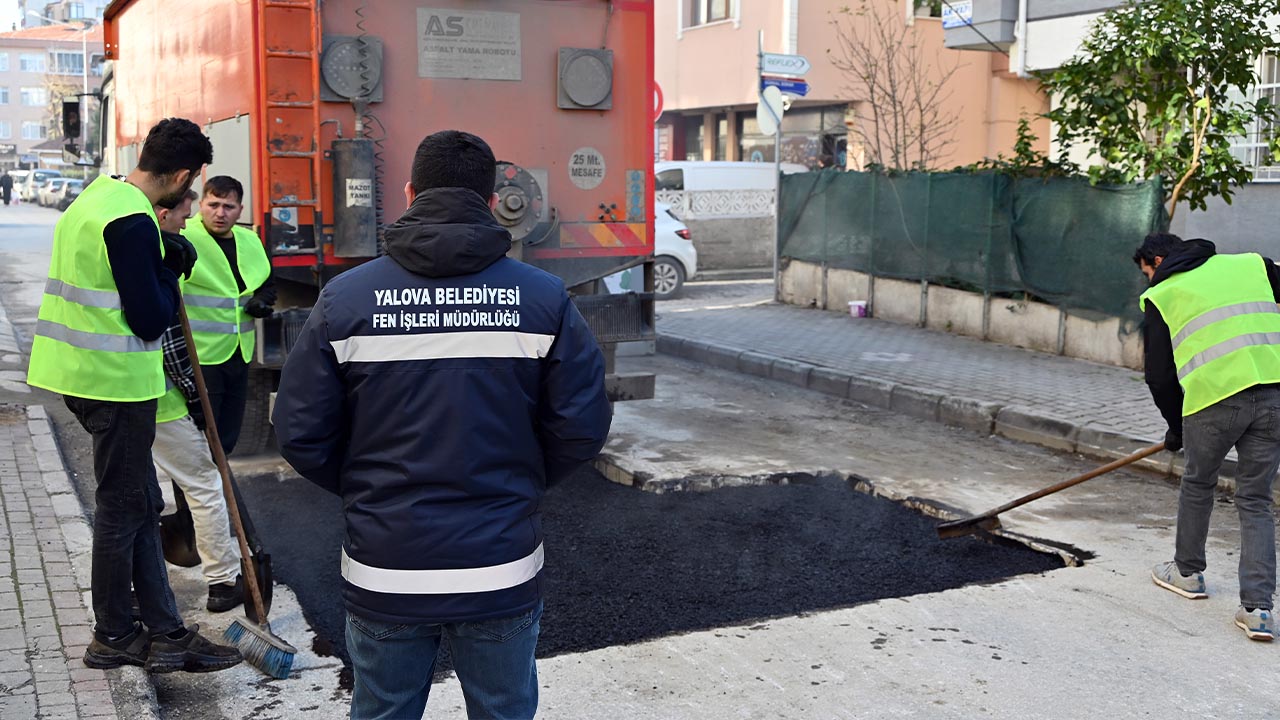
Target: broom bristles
(261, 649)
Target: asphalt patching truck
(317, 108)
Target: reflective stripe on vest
(215, 303)
(442, 582)
(438, 346)
(83, 344)
(1224, 325)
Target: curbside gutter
(981, 416)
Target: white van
(31, 185)
(697, 176)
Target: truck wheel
(255, 432)
(668, 277)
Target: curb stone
(985, 417)
(132, 693)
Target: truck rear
(318, 107)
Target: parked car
(51, 191)
(70, 192)
(675, 259)
(36, 178)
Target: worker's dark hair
(1155, 245)
(452, 158)
(222, 186)
(175, 144)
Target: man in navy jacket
(440, 390)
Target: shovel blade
(968, 526)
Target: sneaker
(104, 653)
(1257, 624)
(192, 653)
(1167, 576)
(225, 596)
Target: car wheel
(668, 277)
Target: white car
(48, 194)
(675, 259)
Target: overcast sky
(8, 14)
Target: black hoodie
(1161, 371)
(447, 232)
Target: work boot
(1167, 576)
(190, 652)
(1256, 623)
(225, 596)
(104, 653)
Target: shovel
(989, 522)
(178, 533)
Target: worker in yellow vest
(111, 293)
(1212, 337)
(182, 452)
(230, 287)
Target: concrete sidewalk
(45, 623)
(1058, 402)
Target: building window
(928, 8)
(35, 96)
(4, 96)
(702, 12)
(28, 62)
(6, 130)
(4, 62)
(1253, 148)
(66, 63)
(33, 131)
(75, 11)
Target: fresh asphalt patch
(624, 566)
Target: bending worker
(182, 453)
(229, 287)
(112, 291)
(1213, 366)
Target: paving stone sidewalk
(1060, 402)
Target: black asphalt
(625, 566)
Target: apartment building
(36, 66)
(706, 70)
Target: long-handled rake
(989, 522)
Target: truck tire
(255, 432)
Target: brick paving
(1084, 394)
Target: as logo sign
(448, 27)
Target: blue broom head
(262, 650)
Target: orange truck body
(258, 62)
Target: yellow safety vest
(83, 346)
(215, 304)
(1225, 327)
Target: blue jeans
(1249, 421)
(493, 659)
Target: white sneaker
(1167, 576)
(1258, 625)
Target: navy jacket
(440, 390)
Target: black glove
(267, 294)
(179, 254)
(196, 411)
(1173, 440)
(257, 308)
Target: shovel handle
(220, 458)
(1114, 465)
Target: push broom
(254, 640)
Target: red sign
(657, 101)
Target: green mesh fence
(1060, 239)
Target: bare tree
(903, 118)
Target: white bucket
(857, 308)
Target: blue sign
(786, 85)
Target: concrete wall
(732, 243)
(1031, 325)
(1248, 224)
